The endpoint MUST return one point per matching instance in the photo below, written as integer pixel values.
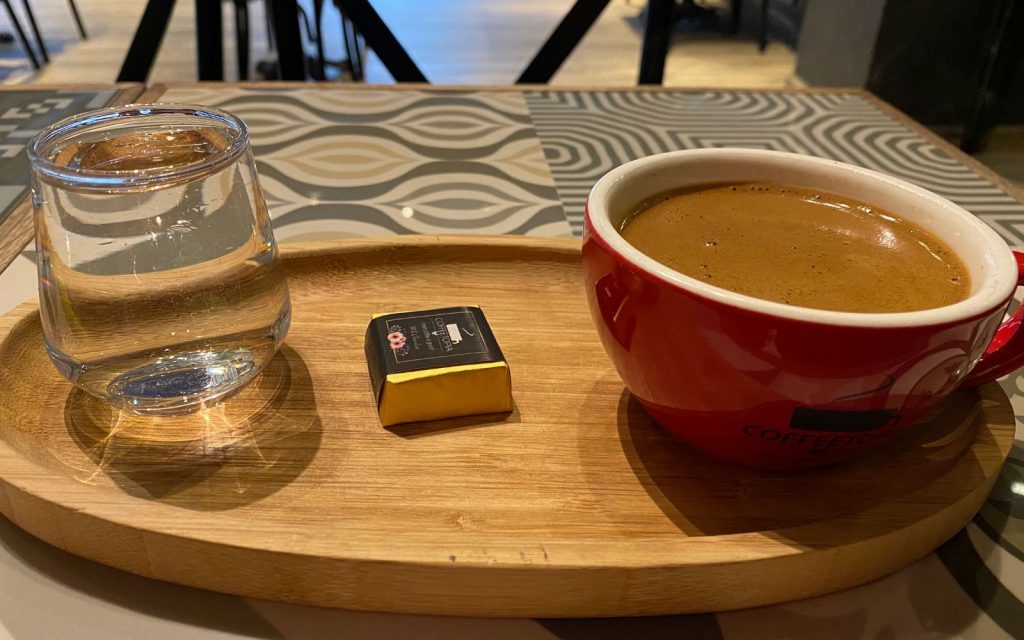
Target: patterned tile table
(387, 162)
(24, 110)
(376, 161)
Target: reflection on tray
(220, 458)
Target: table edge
(507, 88)
(35, 86)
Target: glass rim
(43, 166)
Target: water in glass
(159, 283)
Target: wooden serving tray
(575, 505)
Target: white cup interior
(990, 263)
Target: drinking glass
(160, 287)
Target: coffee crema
(798, 246)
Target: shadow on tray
(702, 496)
(220, 458)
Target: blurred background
(956, 66)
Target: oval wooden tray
(575, 505)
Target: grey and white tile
(586, 133)
(387, 162)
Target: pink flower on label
(397, 340)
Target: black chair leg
(379, 37)
(735, 13)
(35, 32)
(270, 27)
(139, 60)
(284, 15)
(21, 34)
(561, 42)
(657, 34)
(242, 37)
(762, 36)
(352, 50)
(321, 61)
(78, 20)
(209, 39)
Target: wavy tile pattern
(343, 162)
(586, 133)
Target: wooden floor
(453, 41)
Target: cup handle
(1006, 352)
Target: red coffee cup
(773, 386)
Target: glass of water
(160, 287)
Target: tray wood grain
(575, 505)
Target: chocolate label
(418, 340)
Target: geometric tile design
(22, 114)
(585, 134)
(382, 162)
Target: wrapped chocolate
(435, 364)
